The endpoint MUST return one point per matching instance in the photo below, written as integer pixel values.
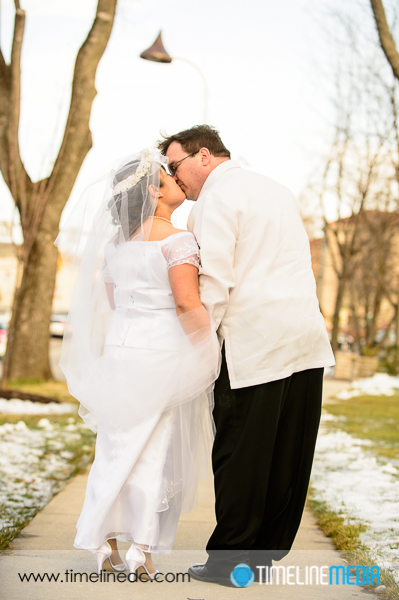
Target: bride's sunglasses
(173, 168)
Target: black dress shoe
(202, 573)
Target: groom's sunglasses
(173, 168)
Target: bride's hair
(138, 208)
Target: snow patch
(34, 465)
(15, 406)
(358, 485)
(380, 384)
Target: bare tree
(362, 239)
(374, 277)
(348, 180)
(387, 41)
(359, 176)
(40, 203)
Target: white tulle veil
(121, 388)
(118, 207)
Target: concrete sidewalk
(45, 546)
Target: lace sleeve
(183, 250)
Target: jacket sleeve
(216, 230)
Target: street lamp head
(157, 52)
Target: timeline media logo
(242, 575)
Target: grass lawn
(346, 539)
(64, 439)
(375, 418)
(51, 389)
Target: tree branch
(77, 139)
(4, 99)
(16, 170)
(11, 166)
(386, 40)
(77, 131)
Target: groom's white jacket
(256, 278)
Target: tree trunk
(386, 333)
(356, 327)
(338, 304)
(29, 350)
(372, 329)
(40, 204)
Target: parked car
(4, 322)
(57, 324)
(3, 339)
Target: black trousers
(262, 459)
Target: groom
(256, 282)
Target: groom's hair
(195, 138)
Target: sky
(263, 61)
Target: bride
(140, 353)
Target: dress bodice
(142, 293)
(139, 270)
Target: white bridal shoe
(144, 575)
(120, 567)
(101, 556)
(135, 559)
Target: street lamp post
(157, 53)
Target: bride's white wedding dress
(150, 398)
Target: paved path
(45, 545)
